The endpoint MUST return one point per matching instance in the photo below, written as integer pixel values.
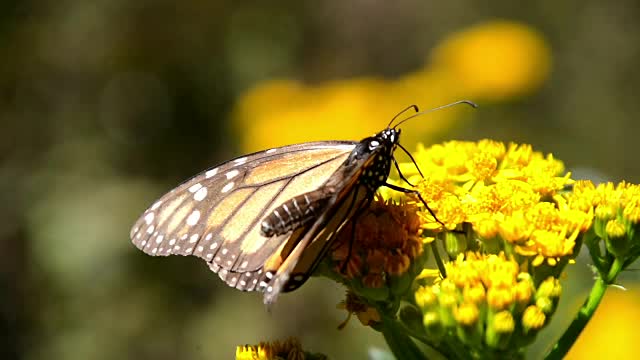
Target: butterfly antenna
(414, 107)
(467, 102)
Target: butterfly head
(377, 154)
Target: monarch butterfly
(263, 221)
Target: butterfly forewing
(216, 215)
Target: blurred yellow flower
(496, 60)
(614, 324)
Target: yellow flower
(533, 318)
(467, 314)
(495, 60)
(248, 352)
(486, 296)
(289, 349)
(514, 198)
(614, 324)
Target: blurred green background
(106, 105)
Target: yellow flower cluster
(513, 198)
(496, 60)
(617, 223)
(486, 300)
(514, 220)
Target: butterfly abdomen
(294, 213)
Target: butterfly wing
(298, 264)
(348, 196)
(216, 214)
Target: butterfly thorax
(371, 158)
(377, 151)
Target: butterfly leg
(416, 193)
(439, 262)
(400, 173)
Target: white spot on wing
(227, 187)
(242, 160)
(159, 239)
(210, 173)
(200, 194)
(193, 218)
(150, 229)
(172, 242)
(156, 205)
(149, 218)
(208, 237)
(271, 151)
(231, 174)
(195, 187)
(194, 238)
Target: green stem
(399, 342)
(616, 267)
(561, 348)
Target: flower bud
(499, 329)
(433, 326)
(468, 329)
(616, 239)
(455, 243)
(533, 319)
